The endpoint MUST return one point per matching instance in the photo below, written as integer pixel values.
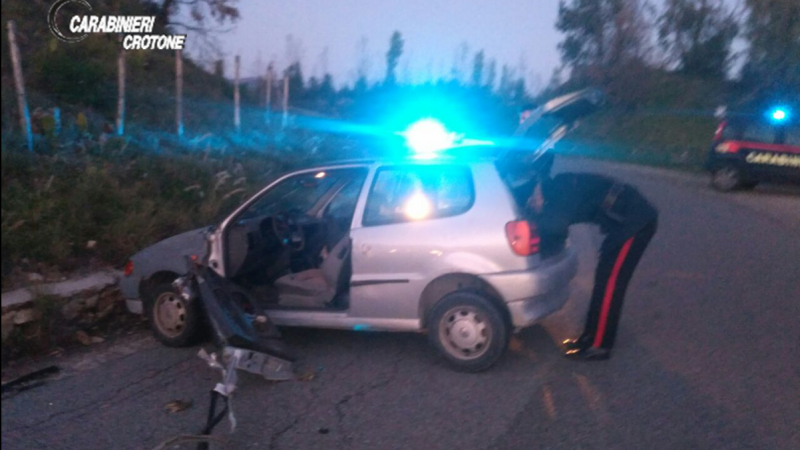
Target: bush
(122, 198)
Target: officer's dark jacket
(571, 198)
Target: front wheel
(174, 321)
(468, 331)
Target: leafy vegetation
(106, 201)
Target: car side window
(299, 193)
(793, 135)
(412, 193)
(343, 205)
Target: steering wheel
(287, 228)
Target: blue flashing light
(428, 136)
(779, 114)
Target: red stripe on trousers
(610, 287)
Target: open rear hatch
(521, 162)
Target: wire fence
(200, 108)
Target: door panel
(411, 236)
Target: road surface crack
(88, 408)
(360, 393)
(273, 440)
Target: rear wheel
(727, 178)
(468, 330)
(749, 185)
(174, 321)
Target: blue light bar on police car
(779, 114)
(428, 136)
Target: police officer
(628, 222)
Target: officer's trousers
(614, 272)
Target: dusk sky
(512, 31)
(519, 33)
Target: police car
(749, 150)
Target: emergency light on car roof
(428, 136)
(779, 114)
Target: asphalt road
(708, 356)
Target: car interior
(290, 249)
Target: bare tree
(205, 19)
(773, 59)
(321, 65)
(396, 44)
(294, 51)
(603, 33)
(460, 62)
(477, 69)
(491, 74)
(203, 15)
(697, 36)
(363, 63)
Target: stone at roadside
(91, 302)
(73, 309)
(103, 313)
(91, 245)
(177, 406)
(83, 338)
(108, 298)
(8, 324)
(35, 277)
(26, 315)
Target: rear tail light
(523, 237)
(128, 268)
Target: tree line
(615, 39)
(751, 51)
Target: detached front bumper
(534, 294)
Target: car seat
(315, 288)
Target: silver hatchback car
(436, 245)
(409, 245)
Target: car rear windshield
(418, 192)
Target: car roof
(463, 154)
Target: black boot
(576, 343)
(588, 353)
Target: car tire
(174, 321)
(749, 185)
(483, 332)
(727, 178)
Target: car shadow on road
(774, 190)
(630, 401)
